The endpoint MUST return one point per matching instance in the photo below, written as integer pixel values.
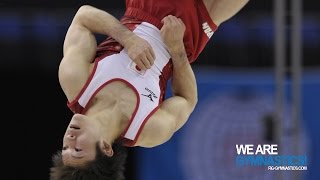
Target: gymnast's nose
(71, 136)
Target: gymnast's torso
(116, 79)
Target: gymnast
(116, 89)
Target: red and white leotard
(145, 84)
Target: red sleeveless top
(199, 25)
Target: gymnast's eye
(64, 148)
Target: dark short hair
(101, 168)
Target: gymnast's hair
(102, 168)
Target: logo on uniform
(207, 29)
(134, 67)
(151, 95)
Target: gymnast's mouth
(73, 126)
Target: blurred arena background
(258, 82)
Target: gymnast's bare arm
(80, 45)
(222, 10)
(175, 111)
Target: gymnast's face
(79, 142)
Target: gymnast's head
(87, 153)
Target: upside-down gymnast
(116, 89)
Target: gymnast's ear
(106, 148)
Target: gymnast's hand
(140, 51)
(172, 33)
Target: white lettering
(206, 28)
(259, 150)
(274, 149)
(250, 149)
(244, 149)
